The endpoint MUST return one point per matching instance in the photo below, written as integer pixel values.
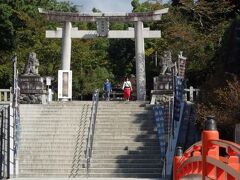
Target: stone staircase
(53, 141)
(125, 142)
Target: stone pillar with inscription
(140, 61)
(32, 87)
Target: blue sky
(104, 5)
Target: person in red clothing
(127, 88)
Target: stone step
(122, 105)
(60, 118)
(57, 104)
(56, 116)
(49, 149)
(42, 157)
(95, 156)
(45, 127)
(59, 133)
(74, 160)
(52, 123)
(56, 109)
(95, 160)
(100, 147)
(117, 119)
(82, 131)
(34, 120)
(122, 125)
(83, 106)
(93, 165)
(125, 112)
(126, 175)
(126, 144)
(47, 141)
(126, 140)
(101, 137)
(74, 149)
(122, 133)
(125, 129)
(108, 116)
(125, 170)
(134, 131)
(139, 160)
(127, 165)
(72, 177)
(119, 103)
(43, 170)
(30, 128)
(125, 137)
(51, 114)
(83, 178)
(102, 176)
(126, 152)
(91, 170)
(123, 147)
(131, 120)
(103, 141)
(127, 156)
(31, 151)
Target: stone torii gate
(103, 19)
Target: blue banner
(178, 98)
(158, 113)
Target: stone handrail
(5, 96)
(91, 130)
(191, 94)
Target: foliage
(225, 108)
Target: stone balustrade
(5, 96)
(191, 94)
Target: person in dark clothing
(107, 88)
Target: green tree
(6, 28)
(121, 54)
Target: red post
(177, 158)
(209, 133)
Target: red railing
(203, 158)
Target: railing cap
(210, 123)
(179, 151)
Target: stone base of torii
(138, 33)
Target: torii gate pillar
(66, 46)
(140, 61)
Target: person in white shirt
(127, 88)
